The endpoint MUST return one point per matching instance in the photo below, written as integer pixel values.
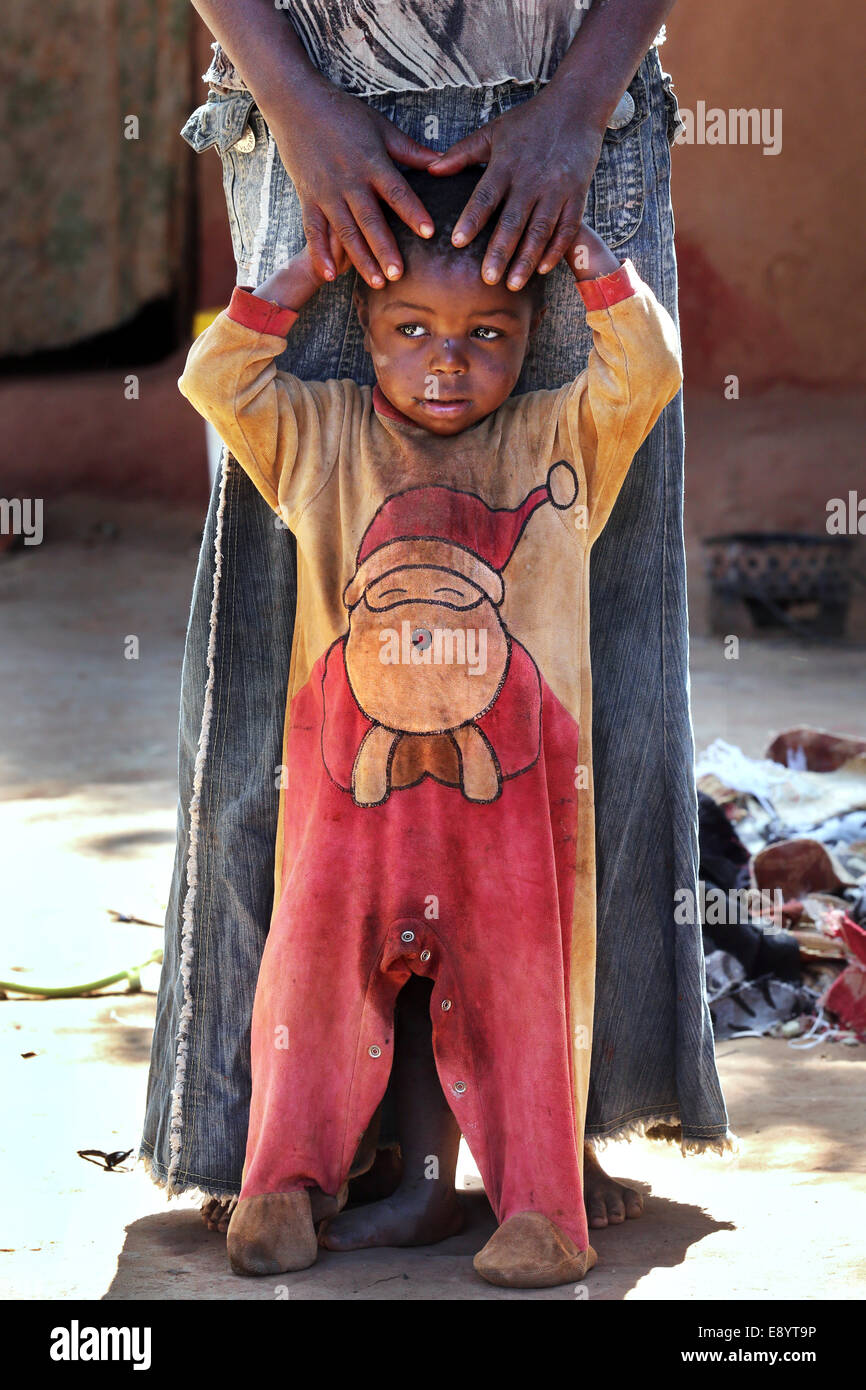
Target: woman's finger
(539, 230)
(472, 149)
(564, 235)
(316, 230)
(486, 196)
(369, 216)
(510, 227)
(354, 242)
(338, 251)
(406, 150)
(395, 191)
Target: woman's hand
(540, 159)
(338, 152)
(340, 157)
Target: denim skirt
(653, 1066)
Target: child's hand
(590, 257)
(298, 280)
(339, 253)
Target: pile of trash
(783, 887)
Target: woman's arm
(541, 155)
(338, 152)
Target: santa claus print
(428, 682)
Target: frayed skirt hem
(200, 1190)
(667, 1128)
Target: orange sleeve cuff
(607, 290)
(261, 315)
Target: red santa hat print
(444, 528)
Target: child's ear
(535, 321)
(362, 309)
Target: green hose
(132, 975)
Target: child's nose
(448, 356)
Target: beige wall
(772, 288)
(773, 277)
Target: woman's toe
(597, 1213)
(615, 1209)
(633, 1203)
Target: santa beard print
(417, 666)
(426, 656)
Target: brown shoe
(529, 1252)
(272, 1234)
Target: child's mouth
(446, 409)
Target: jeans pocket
(231, 123)
(246, 164)
(618, 187)
(221, 121)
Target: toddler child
(436, 734)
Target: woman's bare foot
(608, 1202)
(424, 1208)
(216, 1213)
(411, 1216)
(380, 1181)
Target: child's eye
(411, 330)
(487, 335)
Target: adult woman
(310, 140)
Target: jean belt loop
(489, 103)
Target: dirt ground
(87, 812)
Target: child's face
(447, 348)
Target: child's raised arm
(274, 424)
(634, 370)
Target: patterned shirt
(367, 47)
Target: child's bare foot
(411, 1216)
(272, 1233)
(608, 1202)
(529, 1252)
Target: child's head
(447, 348)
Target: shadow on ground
(173, 1256)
